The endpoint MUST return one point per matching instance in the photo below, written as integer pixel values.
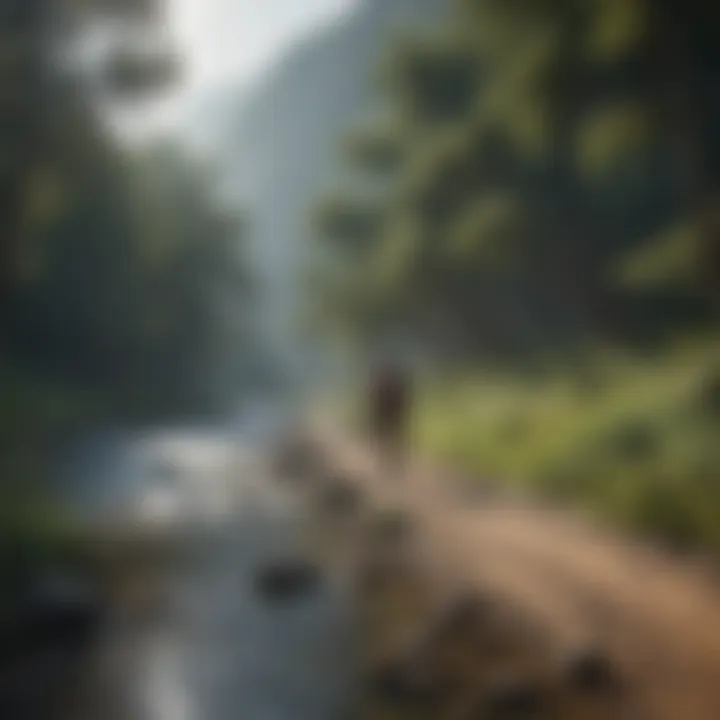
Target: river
(213, 650)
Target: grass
(634, 439)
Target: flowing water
(212, 650)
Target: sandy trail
(658, 616)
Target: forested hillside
(536, 206)
(550, 161)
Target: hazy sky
(237, 38)
(227, 42)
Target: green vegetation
(638, 443)
(548, 225)
(117, 264)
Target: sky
(232, 42)
(236, 39)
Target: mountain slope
(280, 146)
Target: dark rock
(513, 700)
(465, 615)
(374, 574)
(296, 458)
(287, 580)
(379, 572)
(456, 628)
(54, 612)
(508, 632)
(391, 527)
(497, 643)
(341, 497)
(591, 671)
(61, 609)
(406, 684)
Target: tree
(542, 143)
(38, 37)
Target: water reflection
(165, 692)
(210, 649)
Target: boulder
(378, 572)
(296, 458)
(406, 684)
(287, 580)
(341, 497)
(513, 699)
(465, 615)
(59, 608)
(391, 527)
(591, 671)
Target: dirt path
(657, 616)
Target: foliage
(122, 280)
(553, 225)
(640, 449)
(567, 136)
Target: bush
(709, 395)
(633, 440)
(641, 451)
(37, 535)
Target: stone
(341, 497)
(464, 615)
(391, 527)
(405, 684)
(591, 671)
(67, 607)
(296, 458)
(286, 580)
(378, 572)
(516, 699)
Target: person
(390, 415)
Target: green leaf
(669, 259)
(617, 28)
(611, 135)
(489, 230)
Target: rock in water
(61, 609)
(297, 458)
(283, 581)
